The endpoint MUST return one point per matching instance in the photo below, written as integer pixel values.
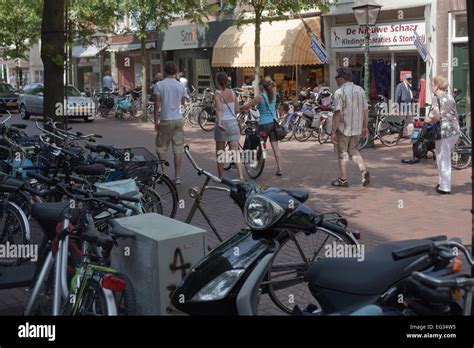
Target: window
(460, 26)
(39, 76)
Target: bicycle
(383, 126)
(207, 115)
(461, 156)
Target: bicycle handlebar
(214, 178)
(451, 282)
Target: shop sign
(384, 34)
(184, 37)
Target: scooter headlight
(219, 287)
(261, 212)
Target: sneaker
(365, 179)
(278, 173)
(340, 183)
(177, 181)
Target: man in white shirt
(350, 122)
(184, 81)
(170, 96)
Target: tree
(258, 11)
(158, 15)
(52, 55)
(19, 29)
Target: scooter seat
(372, 276)
(49, 213)
(299, 194)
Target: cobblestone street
(401, 202)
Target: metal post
(100, 70)
(366, 63)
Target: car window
(73, 91)
(6, 88)
(26, 89)
(36, 89)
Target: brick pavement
(401, 202)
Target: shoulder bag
(279, 130)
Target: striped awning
(281, 43)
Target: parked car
(8, 97)
(30, 103)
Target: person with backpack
(266, 105)
(227, 129)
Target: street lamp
(366, 16)
(100, 40)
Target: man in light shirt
(170, 96)
(108, 82)
(350, 122)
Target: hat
(408, 76)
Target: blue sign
(319, 51)
(422, 50)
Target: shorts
(171, 131)
(347, 145)
(269, 129)
(232, 131)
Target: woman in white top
(227, 129)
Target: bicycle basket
(137, 155)
(140, 172)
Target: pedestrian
(227, 129)
(170, 96)
(444, 112)
(266, 105)
(183, 80)
(13, 81)
(158, 78)
(108, 82)
(350, 122)
(247, 82)
(403, 100)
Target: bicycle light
(113, 283)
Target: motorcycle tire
(420, 149)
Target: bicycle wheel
(284, 282)
(167, 192)
(323, 137)
(290, 129)
(254, 167)
(150, 201)
(106, 112)
(126, 300)
(389, 134)
(95, 300)
(302, 131)
(15, 231)
(205, 121)
(461, 156)
(193, 116)
(363, 142)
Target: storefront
(285, 54)
(191, 47)
(392, 49)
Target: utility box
(158, 259)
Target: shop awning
(281, 42)
(129, 47)
(84, 51)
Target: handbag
(432, 132)
(280, 131)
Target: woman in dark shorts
(266, 105)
